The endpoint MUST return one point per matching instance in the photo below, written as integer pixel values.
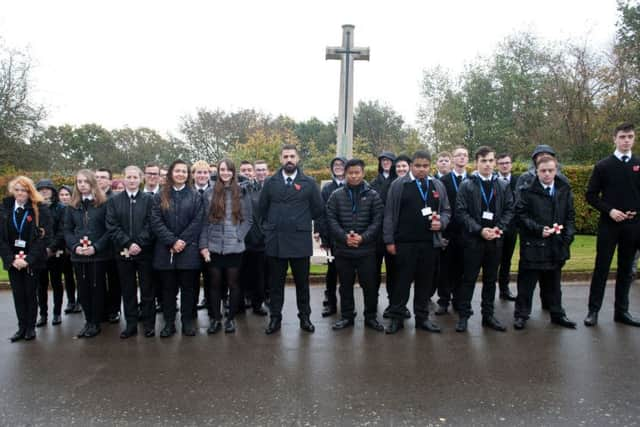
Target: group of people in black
(242, 230)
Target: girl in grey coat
(228, 218)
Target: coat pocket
(534, 251)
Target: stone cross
(346, 54)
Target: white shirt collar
(17, 205)
(545, 186)
(413, 178)
(179, 188)
(129, 194)
(619, 154)
(292, 176)
(385, 174)
(508, 177)
(202, 187)
(484, 178)
(146, 190)
(89, 197)
(456, 174)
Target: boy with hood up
(330, 303)
(55, 250)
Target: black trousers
(23, 287)
(114, 290)
(485, 255)
(53, 275)
(252, 276)
(172, 282)
(626, 237)
(417, 263)
(91, 277)
(390, 266)
(300, 270)
(221, 280)
(133, 273)
(508, 247)
(331, 284)
(449, 278)
(69, 279)
(365, 268)
(526, 285)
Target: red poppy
(297, 187)
(29, 219)
(636, 168)
(436, 195)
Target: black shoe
(30, 334)
(42, 321)
(385, 313)
(373, 324)
(128, 333)
(591, 319)
(493, 323)
(260, 311)
(168, 330)
(442, 310)
(149, 332)
(519, 323)
(77, 308)
(462, 324)
(427, 325)
(406, 313)
(306, 325)
(56, 319)
(229, 326)
(394, 326)
(507, 296)
(114, 318)
(92, 330)
(214, 327)
(83, 331)
(188, 330)
(69, 308)
(564, 321)
(342, 324)
(19, 335)
(625, 318)
(329, 310)
(202, 304)
(274, 326)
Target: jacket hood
(47, 183)
(342, 159)
(543, 148)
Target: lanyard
(484, 195)
(354, 206)
(423, 194)
(15, 222)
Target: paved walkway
(544, 375)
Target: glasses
(504, 163)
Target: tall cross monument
(346, 54)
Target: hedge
(586, 217)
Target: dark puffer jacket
(38, 236)
(87, 220)
(535, 210)
(182, 221)
(365, 218)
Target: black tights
(215, 290)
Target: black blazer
(129, 223)
(87, 221)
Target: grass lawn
(583, 253)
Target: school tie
(289, 181)
(625, 159)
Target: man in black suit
(511, 234)
(288, 203)
(614, 190)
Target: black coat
(535, 210)
(56, 209)
(469, 207)
(366, 220)
(87, 220)
(286, 213)
(182, 221)
(130, 223)
(38, 238)
(254, 241)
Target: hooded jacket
(321, 225)
(381, 184)
(56, 209)
(529, 176)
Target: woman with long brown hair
(86, 236)
(25, 232)
(176, 220)
(229, 219)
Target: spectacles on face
(504, 163)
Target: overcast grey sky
(147, 63)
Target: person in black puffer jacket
(176, 220)
(25, 234)
(87, 238)
(354, 218)
(544, 206)
(53, 272)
